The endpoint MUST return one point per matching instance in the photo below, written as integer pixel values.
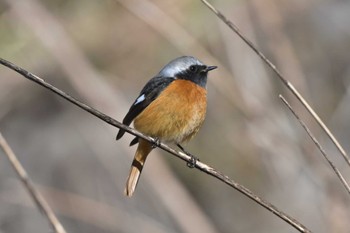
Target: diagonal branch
(34, 193)
(284, 80)
(336, 170)
(199, 165)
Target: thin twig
(199, 165)
(177, 35)
(40, 202)
(285, 81)
(77, 66)
(336, 170)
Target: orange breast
(177, 113)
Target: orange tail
(143, 149)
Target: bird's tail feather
(143, 149)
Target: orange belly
(176, 114)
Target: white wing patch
(140, 99)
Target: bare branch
(74, 64)
(285, 81)
(151, 14)
(199, 165)
(40, 202)
(336, 170)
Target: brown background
(103, 52)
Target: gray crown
(178, 65)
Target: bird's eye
(193, 68)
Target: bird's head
(187, 68)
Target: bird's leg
(155, 143)
(193, 160)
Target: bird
(171, 108)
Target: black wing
(149, 93)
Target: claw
(193, 161)
(156, 143)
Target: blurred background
(103, 52)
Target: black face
(197, 74)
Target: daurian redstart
(171, 107)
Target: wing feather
(149, 93)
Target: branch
(336, 170)
(35, 195)
(284, 80)
(199, 165)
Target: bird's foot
(156, 143)
(193, 160)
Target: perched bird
(171, 107)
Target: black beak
(209, 68)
